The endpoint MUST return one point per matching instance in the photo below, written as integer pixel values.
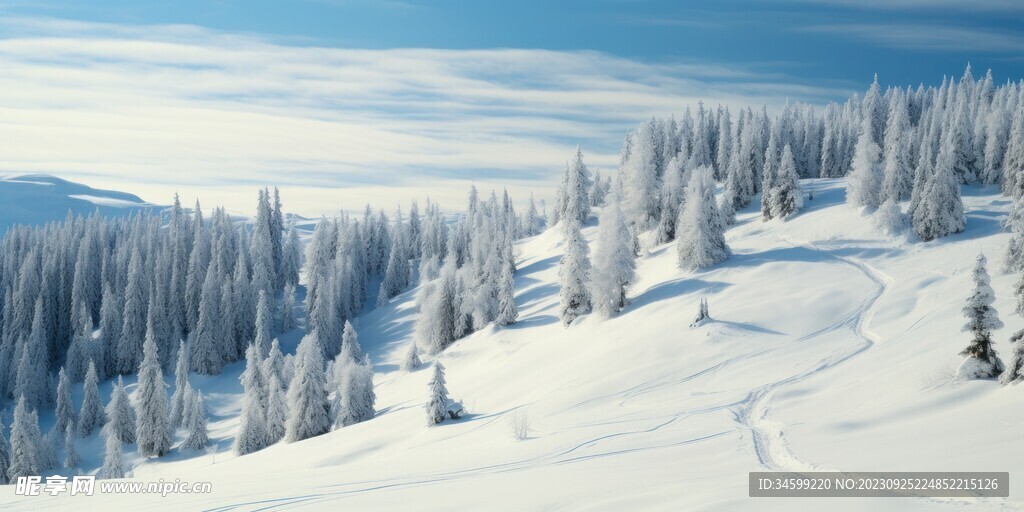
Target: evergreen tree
(71, 458)
(897, 173)
(264, 325)
(203, 344)
(351, 351)
(5, 456)
(574, 275)
(113, 458)
(308, 408)
(277, 409)
(941, 211)
(65, 410)
(701, 229)
(1014, 371)
(133, 324)
(507, 311)
(180, 381)
(91, 415)
(354, 396)
(197, 437)
(411, 361)
(24, 448)
(614, 264)
(121, 416)
(864, 183)
(288, 321)
(671, 199)
(572, 201)
(786, 195)
(153, 426)
(982, 361)
(437, 404)
(252, 434)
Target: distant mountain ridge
(40, 198)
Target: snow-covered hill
(831, 347)
(41, 198)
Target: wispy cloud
(925, 36)
(148, 108)
(960, 5)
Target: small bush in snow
(890, 219)
(519, 424)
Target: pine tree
(572, 201)
(982, 361)
(351, 351)
(574, 275)
(864, 183)
(941, 211)
(411, 361)
(507, 311)
(308, 408)
(121, 416)
(614, 263)
(180, 381)
(264, 325)
(24, 448)
(354, 396)
(437, 404)
(252, 434)
(701, 229)
(91, 415)
(288, 321)
(153, 426)
(1014, 371)
(277, 409)
(896, 182)
(786, 195)
(5, 456)
(671, 198)
(32, 379)
(65, 410)
(71, 458)
(113, 459)
(133, 324)
(203, 343)
(197, 437)
(890, 218)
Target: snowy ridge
(41, 198)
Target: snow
(831, 346)
(41, 198)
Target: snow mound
(41, 198)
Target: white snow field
(831, 347)
(41, 198)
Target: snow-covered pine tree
(896, 169)
(982, 361)
(152, 432)
(277, 409)
(264, 325)
(396, 276)
(787, 198)
(288, 321)
(354, 396)
(437, 403)
(203, 342)
(24, 448)
(574, 274)
(701, 229)
(121, 416)
(864, 183)
(32, 378)
(614, 262)
(91, 415)
(133, 324)
(507, 311)
(308, 408)
(180, 381)
(769, 173)
(252, 433)
(113, 458)
(411, 360)
(572, 201)
(197, 437)
(671, 199)
(351, 351)
(65, 410)
(1014, 371)
(890, 219)
(71, 458)
(5, 455)
(702, 313)
(941, 210)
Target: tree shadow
(747, 327)
(672, 289)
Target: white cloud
(925, 36)
(154, 108)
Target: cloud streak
(924, 36)
(153, 108)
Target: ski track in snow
(768, 436)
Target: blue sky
(348, 100)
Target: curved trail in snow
(768, 437)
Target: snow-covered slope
(831, 347)
(41, 198)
